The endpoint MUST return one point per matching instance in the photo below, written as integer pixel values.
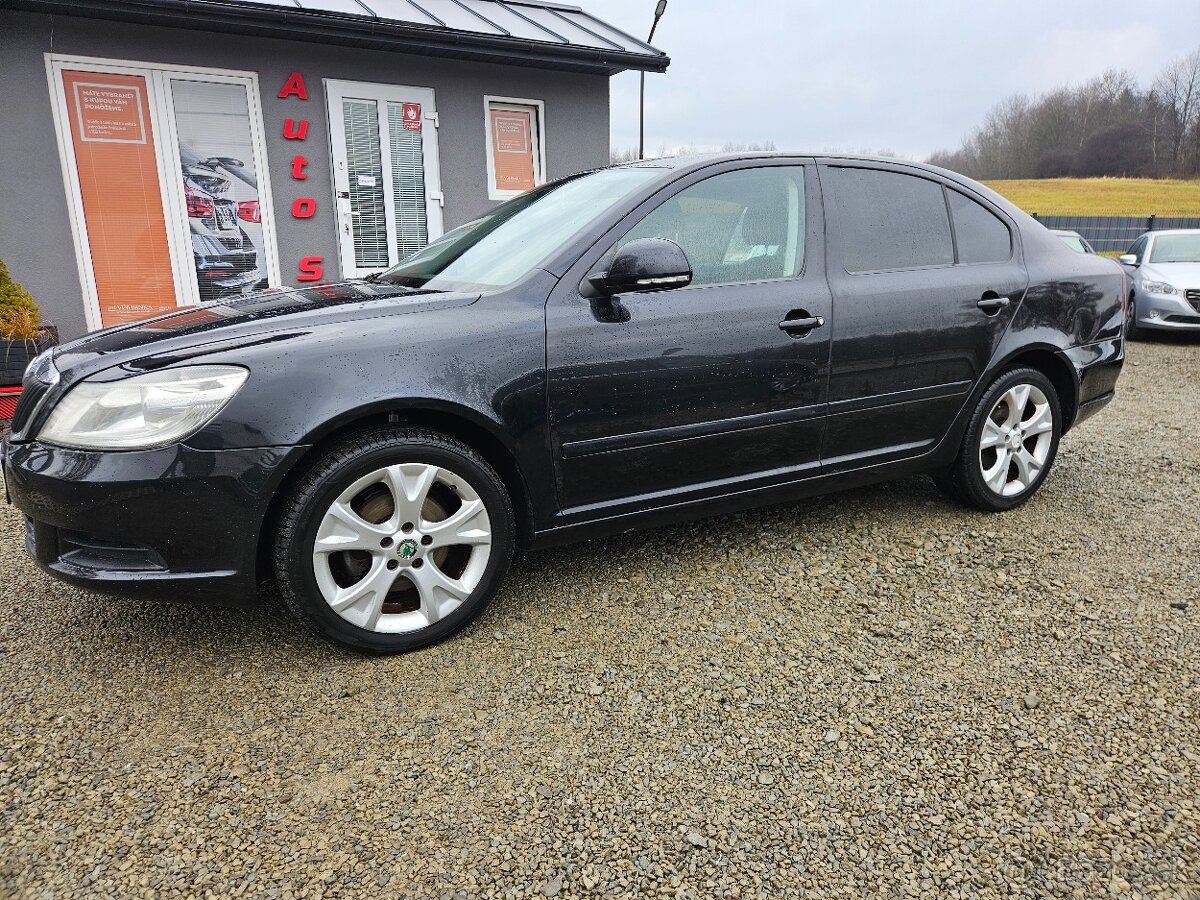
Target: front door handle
(992, 305)
(801, 324)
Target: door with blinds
(387, 183)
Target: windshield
(1176, 248)
(496, 250)
(1073, 242)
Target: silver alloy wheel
(402, 547)
(1016, 440)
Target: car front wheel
(1133, 331)
(394, 540)
(1010, 443)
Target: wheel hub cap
(402, 547)
(1016, 440)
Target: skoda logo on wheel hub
(407, 549)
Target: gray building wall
(35, 234)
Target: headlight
(142, 412)
(1159, 287)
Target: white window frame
(515, 104)
(335, 91)
(166, 147)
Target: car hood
(227, 324)
(1181, 275)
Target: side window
(1139, 247)
(890, 220)
(980, 236)
(746, 225)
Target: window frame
(634, 219)
(1012, 249)
(932, 178)
(538, 122)
(166, 148)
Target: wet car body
(599, 416)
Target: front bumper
(1168, 312)
(172, 524)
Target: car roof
(1066, 232)
(1160, 231)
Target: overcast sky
(909, 77)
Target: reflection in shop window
(220, 186)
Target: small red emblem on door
(412, 116)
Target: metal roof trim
(367, 29)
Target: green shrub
(20, 318)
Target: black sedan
(627, 347)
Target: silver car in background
(1072, 239)
(1164, 282)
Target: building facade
(160, 153)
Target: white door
(386, 180)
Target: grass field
(1102, 196)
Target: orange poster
(122, 201)
(512, 149)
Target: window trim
(803, 232)
(538, 121)
(933, 178)
(158, 76)
(1012, 247)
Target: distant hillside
(1102, 196)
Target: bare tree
(1177, 91)
(1106, 126)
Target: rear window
(890, 220)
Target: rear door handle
(992, 305)
(801, 324)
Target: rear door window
(980, 236)
(889, 220)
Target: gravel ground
(872, 694)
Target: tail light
(248, 211)
(199, 206)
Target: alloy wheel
(402, 547)
(1016, 440)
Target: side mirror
(1127, 259)
(647, 264)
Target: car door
(658, 397)
(925, 280)
(1138, 251)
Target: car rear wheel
(1010, 443)
(394, 540)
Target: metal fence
(1113, 234)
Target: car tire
(378, 575)
(1003, 468)
(1133, 331)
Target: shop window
(516, 146)
(168, 199)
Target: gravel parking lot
(873, 694)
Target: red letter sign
(294, 87)
(311, 268)
(298, 164)
(295, 131)
(304, 207)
